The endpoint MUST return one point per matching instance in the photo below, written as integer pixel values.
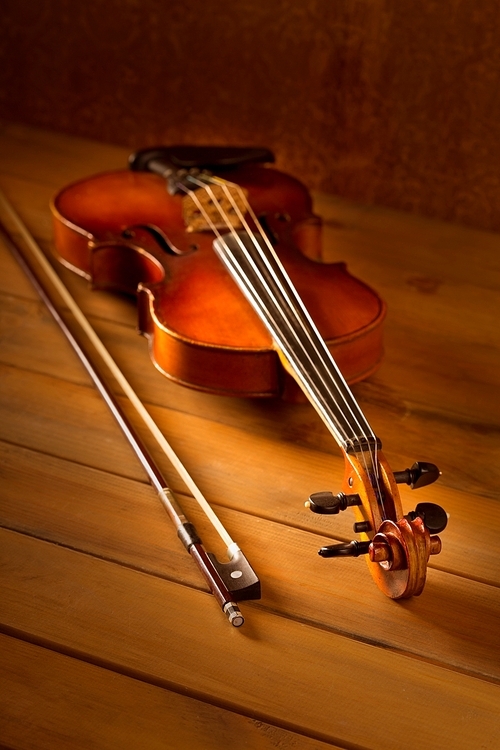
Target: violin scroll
(398, 546)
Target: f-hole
(159, 237)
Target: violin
(124, 231)
(222, 252)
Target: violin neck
(252, 262)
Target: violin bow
(230, 581)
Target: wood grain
(68, 510)
(142, 626)
(381, 102)
(110, 638)
(77, 705)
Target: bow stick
(230, 581)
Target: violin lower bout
(238, 357)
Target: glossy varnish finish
(202, 331)
(109, 638)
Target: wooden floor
(108, 636)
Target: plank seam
(288, 523)
(174, 687)
(270, 610)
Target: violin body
(123, 231)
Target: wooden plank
(453, 623)
(53, 159)
(442, 409)
(51, 700)
(465, 345)
(328, 687)
(442, 342)
(464, 405)
(70, 421)
(14, 282)
(32, 408)
(434, 398)
(426, 436)
(387, 242)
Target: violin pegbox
(397, 546)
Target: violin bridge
(205, 208)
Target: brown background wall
(394, 102)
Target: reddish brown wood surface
(389, 103)
(202, 331)
(109, 638)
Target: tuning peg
(434, 516)
(420, 475)
(351, 549)
(328, 503)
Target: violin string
(240, 242)
(304, 328)
(344, 438)
(257, 303)
(332, 367)
(297, 357)
(339, 381)
(285, 286)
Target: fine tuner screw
(328, 503)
